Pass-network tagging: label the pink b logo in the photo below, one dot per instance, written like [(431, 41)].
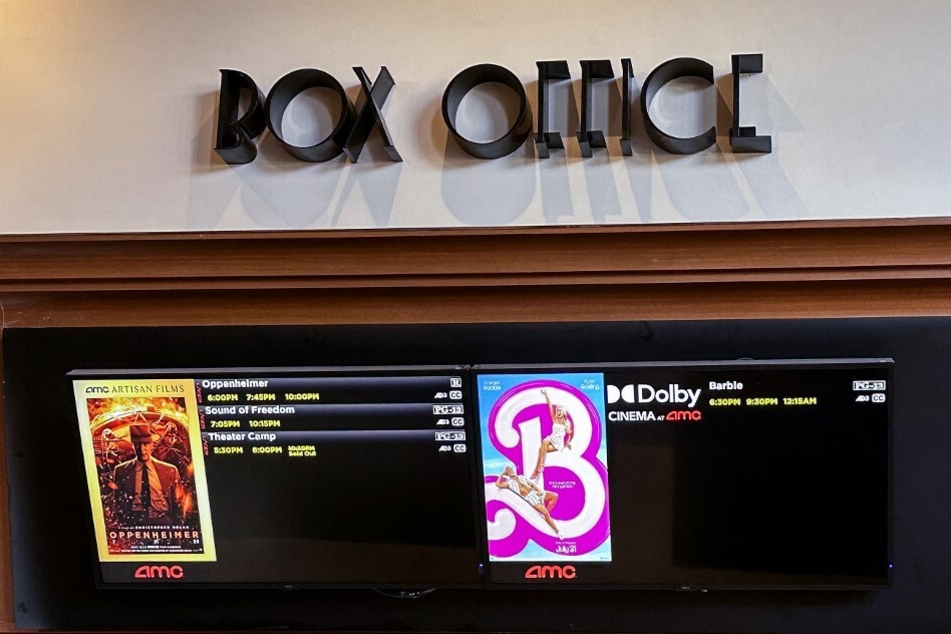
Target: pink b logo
[(572, 486)]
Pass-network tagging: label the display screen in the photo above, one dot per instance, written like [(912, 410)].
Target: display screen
[(290, 477), (686, 476), (666, 475)]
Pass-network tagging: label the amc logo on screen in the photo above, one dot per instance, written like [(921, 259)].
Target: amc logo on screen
[(551, 572), (159, 572), (684, 415)]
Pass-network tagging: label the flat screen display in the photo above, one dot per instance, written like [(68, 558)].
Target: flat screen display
[(686, 476), (278, 476), (653, 475)]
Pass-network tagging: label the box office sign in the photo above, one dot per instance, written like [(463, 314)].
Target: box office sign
[(237, 131)]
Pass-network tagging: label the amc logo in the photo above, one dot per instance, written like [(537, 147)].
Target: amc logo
[(97, 389), (159, 572), (685, 415), (551, 572)]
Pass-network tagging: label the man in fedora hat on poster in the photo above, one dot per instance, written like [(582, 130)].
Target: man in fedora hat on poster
[(148, 491)]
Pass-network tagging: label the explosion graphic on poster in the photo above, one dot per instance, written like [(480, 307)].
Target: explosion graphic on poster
[(145, 470)]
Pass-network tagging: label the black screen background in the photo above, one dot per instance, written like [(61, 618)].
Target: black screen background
[(369, 509), (53, 564), (768, 494)]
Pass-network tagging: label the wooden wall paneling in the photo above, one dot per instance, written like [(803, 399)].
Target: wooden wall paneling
[(691, 301), (473, 257)]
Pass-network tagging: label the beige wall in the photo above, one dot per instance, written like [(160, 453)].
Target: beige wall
[(109, 106)]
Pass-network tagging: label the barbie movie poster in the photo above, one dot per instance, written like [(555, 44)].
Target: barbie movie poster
[(543, 456), (145, 469)]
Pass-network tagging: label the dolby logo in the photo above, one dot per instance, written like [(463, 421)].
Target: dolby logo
[(643, 393)]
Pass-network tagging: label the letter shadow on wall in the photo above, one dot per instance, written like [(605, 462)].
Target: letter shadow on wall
[(640, 165), (598, 173), (764, 107), (280, 191), (378, 178), (483, 192), (701, 186), (212, 185), (563, 117)]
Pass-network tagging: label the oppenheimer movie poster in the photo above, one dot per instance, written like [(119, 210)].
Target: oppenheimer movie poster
[(145, 469)]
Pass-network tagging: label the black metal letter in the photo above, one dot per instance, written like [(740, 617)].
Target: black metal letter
[(744, 139), (546, 140), (591, 69), (468, 79), (668, 71), (370, 113), (627, 101), (281, 95), (236, 136)]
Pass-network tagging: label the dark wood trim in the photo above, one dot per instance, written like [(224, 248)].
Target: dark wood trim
[(868, 298), (795, 269), (787, 253)]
